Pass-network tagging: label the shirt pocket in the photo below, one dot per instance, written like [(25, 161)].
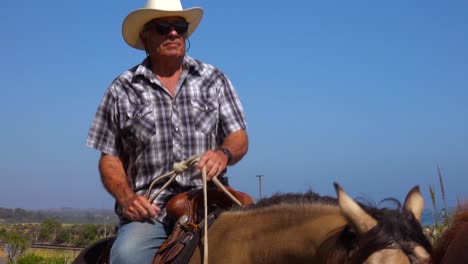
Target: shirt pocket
[(205, 115), (140, 126)]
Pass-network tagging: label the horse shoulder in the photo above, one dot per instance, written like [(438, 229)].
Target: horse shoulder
[(225, 236)]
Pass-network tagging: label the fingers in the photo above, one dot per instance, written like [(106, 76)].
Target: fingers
[(214, 171), (155, 209), (214, 161), (138, 208)]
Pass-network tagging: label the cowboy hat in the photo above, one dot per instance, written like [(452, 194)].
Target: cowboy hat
[(134, 22)]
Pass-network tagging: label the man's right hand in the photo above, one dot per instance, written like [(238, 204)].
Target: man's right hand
[(136, 208)]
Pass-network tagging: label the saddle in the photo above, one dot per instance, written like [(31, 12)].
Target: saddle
[(184, 210)]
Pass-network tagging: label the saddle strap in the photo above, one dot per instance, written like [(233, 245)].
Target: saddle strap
[(181, 243)]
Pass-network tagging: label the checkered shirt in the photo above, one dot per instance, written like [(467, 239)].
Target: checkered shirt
[(149, 130)]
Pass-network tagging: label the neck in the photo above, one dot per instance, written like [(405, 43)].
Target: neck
[(298, 223), (166, 67)]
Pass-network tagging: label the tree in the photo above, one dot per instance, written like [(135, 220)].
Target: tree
[(3, 232), (15, 245), (49, 229), (89, 232), (63, 235)]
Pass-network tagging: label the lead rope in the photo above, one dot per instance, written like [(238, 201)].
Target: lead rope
[(205, 226), (179, 168)]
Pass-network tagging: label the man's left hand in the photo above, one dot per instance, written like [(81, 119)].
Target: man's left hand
[(215, 161)]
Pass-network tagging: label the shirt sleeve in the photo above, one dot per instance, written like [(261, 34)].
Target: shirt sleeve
[(231, 112), (103, 133)]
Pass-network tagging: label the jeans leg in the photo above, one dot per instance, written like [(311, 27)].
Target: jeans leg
[(138, 242)]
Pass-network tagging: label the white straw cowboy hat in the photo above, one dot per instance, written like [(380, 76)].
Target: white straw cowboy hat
[(134, 22)]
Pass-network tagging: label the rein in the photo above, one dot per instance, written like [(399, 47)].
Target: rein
[(179, 168)]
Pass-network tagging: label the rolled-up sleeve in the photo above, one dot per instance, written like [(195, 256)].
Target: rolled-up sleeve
[(231, 111)]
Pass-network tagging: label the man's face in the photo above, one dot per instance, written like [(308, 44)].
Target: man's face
[(165, 37)]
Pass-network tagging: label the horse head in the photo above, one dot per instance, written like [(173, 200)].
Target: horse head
[(386, 235)]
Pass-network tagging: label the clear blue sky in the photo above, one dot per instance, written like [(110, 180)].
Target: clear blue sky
[(371, 94)]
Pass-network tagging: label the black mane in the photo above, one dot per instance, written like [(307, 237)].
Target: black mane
[(292, 198), (395, 225)]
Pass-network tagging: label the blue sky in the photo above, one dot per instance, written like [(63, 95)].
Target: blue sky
[(371, 94)]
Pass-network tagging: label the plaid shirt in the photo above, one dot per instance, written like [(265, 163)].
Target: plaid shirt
[(149, 130)]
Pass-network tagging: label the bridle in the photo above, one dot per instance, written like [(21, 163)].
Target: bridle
[(367, 246)]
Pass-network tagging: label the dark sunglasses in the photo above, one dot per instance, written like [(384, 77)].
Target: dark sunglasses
[(163, 28)]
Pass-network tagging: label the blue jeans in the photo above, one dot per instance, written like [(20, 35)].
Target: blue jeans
[(138, 242)]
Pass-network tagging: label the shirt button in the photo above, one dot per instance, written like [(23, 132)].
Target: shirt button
[(177, 129)]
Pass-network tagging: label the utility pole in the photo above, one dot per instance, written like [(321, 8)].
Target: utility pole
[(260, 185)]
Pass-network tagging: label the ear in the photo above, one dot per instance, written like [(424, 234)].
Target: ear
[(360, 220), (414, 202)]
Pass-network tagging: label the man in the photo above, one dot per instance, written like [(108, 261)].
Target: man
[(162, 111)]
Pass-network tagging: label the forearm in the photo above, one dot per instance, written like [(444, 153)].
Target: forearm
[(237, 143), (113, 178), (134, 207)]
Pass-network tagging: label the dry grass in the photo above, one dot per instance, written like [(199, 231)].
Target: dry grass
[(435, 232), (70, 254), (47, 253)]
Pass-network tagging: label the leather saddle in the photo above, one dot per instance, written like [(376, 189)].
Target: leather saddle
[(185, 210)]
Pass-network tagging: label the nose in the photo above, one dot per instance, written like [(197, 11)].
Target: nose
[(173, 32)]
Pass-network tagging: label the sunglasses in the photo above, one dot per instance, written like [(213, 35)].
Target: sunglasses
[(163, 28)]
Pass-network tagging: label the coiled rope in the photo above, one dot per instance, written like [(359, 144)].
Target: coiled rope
[(179, 168)]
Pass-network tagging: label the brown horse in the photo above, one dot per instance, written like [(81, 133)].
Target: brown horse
[(452, 246), (307, 228)]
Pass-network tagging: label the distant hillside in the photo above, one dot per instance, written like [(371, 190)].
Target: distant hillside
[(64, 215), (102, 216)]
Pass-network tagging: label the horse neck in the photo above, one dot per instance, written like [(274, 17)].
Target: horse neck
[(320, 220), (282, 229)]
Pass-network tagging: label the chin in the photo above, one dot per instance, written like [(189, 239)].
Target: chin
[(174, 53)]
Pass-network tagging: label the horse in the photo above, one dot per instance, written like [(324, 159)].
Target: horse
[(451, 247), (308, 228)]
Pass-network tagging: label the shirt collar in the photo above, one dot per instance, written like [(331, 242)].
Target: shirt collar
[(189, 66), (144, 70)]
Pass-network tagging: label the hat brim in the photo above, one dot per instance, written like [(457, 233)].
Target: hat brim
[(134, 22)]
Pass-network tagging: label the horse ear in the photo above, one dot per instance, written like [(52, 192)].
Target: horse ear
[(360, 220), (414, 202)]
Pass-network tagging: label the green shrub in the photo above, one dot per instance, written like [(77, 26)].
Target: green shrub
[(32, 258), (57, 260)]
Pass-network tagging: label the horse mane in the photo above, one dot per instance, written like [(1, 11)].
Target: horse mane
[(394, 224), (309, 197), (457, 231)]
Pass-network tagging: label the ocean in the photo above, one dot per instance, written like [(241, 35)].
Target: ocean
[(427, 217)]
